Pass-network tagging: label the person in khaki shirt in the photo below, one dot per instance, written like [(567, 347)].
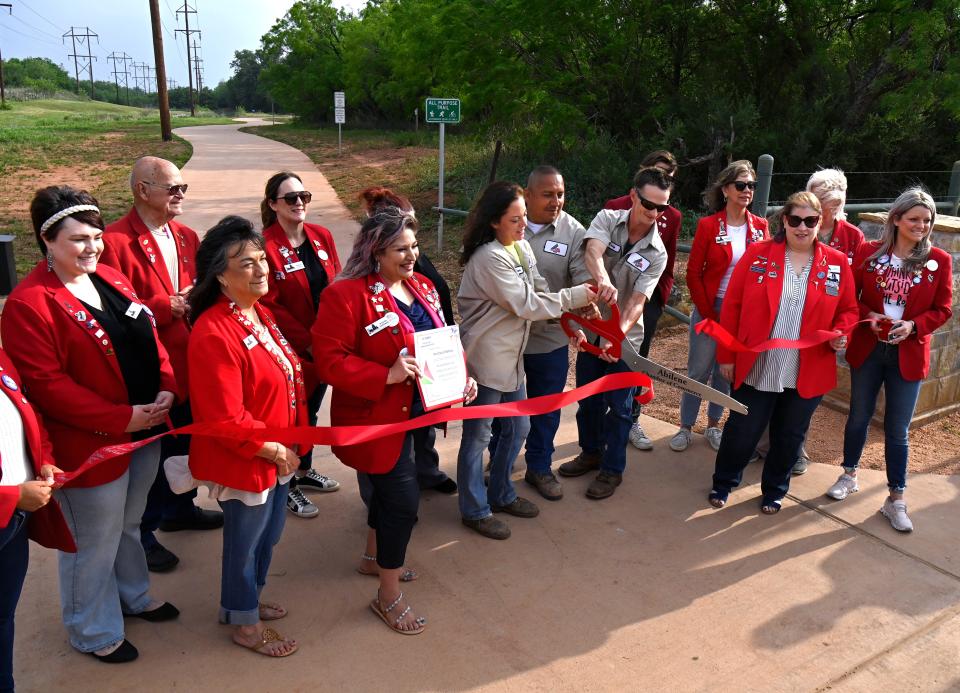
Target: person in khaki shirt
[(625, 256), (557, 241), (501, 292)]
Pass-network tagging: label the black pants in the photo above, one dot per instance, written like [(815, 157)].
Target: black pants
[(313, 404), (14, 554), (651, 316), (392, 500), (788, 415), (162, 503)]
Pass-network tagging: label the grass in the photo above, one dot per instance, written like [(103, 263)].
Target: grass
[(86, 144)]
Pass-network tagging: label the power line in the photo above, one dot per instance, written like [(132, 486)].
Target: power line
[(186, 10), (37, 29), (23, 2), (84, 39), (31, 37)]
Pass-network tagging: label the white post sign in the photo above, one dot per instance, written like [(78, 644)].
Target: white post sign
[(339, 116)]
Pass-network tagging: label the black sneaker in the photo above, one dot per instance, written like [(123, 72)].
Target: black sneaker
[(298, 504), (314, 481)]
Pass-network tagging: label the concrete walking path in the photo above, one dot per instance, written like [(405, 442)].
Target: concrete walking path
[(650, 590)]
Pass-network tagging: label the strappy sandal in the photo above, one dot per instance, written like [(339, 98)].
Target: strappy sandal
[(268, 636), (394, 623), (770, 507), (264, 609), (717, 499), (408, 574)]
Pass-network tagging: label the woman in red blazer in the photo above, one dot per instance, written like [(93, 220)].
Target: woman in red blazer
[(243, 371), (359, 347), (905, 287), (720, 241), (785, 288), (88, 351), (26, 487), (830, 187), (303, 262)]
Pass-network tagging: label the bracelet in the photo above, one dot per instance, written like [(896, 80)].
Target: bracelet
[(276, 455)]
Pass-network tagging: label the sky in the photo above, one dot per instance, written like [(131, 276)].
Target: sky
[(36, 28)]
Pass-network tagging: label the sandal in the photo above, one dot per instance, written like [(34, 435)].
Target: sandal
[(268, 636), (271, 612), (394, 623), (770, 507), (408, 574), (717, 499)]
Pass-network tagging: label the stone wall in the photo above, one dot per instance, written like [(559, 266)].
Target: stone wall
[(940, 392)]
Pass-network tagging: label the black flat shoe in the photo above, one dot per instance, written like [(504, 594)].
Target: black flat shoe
[(447, 486), (125, 653), (160, 559), (164, 612), (200, 519)]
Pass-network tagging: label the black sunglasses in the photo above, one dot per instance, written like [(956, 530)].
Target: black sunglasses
[(291, 197), (171, 189), (647, 204), (795, 221), (742, 185)]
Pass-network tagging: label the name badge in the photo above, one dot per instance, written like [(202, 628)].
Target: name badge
[(293, 267), (555, 248), (638, 261), (134, 310), (519, 271), (249, 341), (722, 240), (613, 247), (388, 320)]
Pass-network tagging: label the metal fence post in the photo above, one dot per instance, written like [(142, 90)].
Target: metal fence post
[(8, 265), (764, 176), (953, 191)]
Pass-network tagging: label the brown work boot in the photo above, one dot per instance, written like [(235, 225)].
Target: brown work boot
[(520, 507), (546, 485), (490, 527), (604, 485), (581, 464)]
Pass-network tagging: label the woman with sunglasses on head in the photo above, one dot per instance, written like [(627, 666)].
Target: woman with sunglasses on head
[(785, 288), (905, 289), (720, 241), (303, 262), (88, 351)]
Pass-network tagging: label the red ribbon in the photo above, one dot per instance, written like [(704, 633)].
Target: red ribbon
[(352, 435), (720, 335)]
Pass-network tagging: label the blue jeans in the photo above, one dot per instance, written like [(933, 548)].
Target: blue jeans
[(249, 534), (14, 554), (604, 420), (546, 375), (107, 576), (788, 416), (882, 367), (702, 366), (474, 495)]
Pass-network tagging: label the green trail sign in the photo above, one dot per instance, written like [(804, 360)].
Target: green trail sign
[(443, 110)]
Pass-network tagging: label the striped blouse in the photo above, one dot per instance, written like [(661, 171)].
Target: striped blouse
[(777, 369)]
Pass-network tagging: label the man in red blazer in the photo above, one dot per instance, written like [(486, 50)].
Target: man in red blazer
[(158, 256)]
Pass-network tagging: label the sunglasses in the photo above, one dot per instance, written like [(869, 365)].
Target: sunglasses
[(171, 189), (795, 221), (647, 204), (291, 197), (742, 185)]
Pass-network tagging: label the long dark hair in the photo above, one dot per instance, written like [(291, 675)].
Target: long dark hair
[(54, 198), (216, 249), (493, 204), (267, 215)]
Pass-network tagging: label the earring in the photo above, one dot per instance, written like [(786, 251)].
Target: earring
[(49, 262)]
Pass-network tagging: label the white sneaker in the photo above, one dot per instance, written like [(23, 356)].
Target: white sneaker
[(639, 439), (896, 512), (713, 436), (681, 440), (299, 505), (843, 487)]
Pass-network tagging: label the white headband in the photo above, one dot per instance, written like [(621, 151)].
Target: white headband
[(64, 213)]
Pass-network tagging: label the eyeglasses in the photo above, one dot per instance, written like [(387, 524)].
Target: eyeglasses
[(171, 189), (795, 221), (742, 185), (647, 204), (291, 197)]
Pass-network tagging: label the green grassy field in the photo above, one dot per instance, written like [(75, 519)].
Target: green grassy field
[(87, 144)]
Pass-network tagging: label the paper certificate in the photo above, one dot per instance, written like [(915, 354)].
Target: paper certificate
[(443, 366)]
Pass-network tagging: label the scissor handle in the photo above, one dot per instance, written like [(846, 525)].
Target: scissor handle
[(609, 329)]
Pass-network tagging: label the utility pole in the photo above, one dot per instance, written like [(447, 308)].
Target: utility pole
[(121, 58), (84, 39), (171, 84), (196, 66), (163, 99), (187, 11), (3, 96)]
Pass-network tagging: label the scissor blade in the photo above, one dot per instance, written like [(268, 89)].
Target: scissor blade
[(674, 379)]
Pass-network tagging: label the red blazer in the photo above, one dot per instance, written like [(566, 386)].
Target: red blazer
[(709, 259), (130, 248), (928, 306), (234, 379), (47, 526), (668, 224), (289, 297), (750, 310), (70, 370), (846, 238), (356, 364)]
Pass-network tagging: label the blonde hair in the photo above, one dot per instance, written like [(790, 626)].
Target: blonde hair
[(830, 185), (909, 198)]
